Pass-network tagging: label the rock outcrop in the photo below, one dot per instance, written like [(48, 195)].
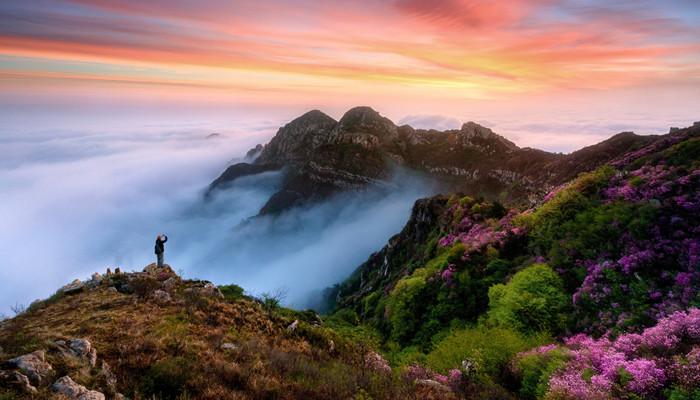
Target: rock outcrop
[(16, 381), (32, 365)]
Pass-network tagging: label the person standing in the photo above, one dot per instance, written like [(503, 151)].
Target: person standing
[(160, 249)]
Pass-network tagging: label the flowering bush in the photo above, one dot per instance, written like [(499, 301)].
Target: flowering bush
[(664, 356), (376, 363)]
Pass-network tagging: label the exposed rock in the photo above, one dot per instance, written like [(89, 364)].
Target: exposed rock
[(81, 347), (91, 395), (432, 383), (168, 283), (35, 303), (227, 346), (293, 326), (295, 142), (32, 365), (109, 376), (16, 381), (68, 387), (73, 287), (210, 290), (77, 348), (112, 289), (161, 296), (252, 153)]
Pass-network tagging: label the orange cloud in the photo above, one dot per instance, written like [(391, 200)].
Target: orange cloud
[(458, 48)]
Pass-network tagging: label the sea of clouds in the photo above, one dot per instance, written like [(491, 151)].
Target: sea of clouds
[(75, 202)]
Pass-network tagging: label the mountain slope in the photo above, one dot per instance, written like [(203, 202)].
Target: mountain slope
[(153, 335), (614, 253)]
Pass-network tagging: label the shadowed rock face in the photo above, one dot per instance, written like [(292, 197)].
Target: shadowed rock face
[(322, 156)]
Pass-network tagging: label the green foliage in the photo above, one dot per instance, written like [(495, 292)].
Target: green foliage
[(534, 371), (343, 317), (489, 348), (456, 253), (168, 379), (533, 300), (231, 292), (174, 329), (436, 263), (405, 308), (676, 393)]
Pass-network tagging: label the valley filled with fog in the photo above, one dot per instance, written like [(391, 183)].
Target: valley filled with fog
[(92, 200)]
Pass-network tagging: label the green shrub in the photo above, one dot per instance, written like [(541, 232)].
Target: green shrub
[(405, 308), (533, 300), (231, 292), (168, 379), (489, 348), (534, 370)]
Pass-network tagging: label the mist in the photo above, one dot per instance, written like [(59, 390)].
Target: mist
[(75, 202)]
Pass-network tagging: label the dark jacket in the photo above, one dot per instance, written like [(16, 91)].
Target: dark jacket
[(159, 244)]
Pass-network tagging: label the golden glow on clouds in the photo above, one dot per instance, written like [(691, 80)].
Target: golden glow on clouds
[(440, 49)]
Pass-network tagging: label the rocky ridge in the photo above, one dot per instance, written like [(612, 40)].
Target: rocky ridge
[(321, 156)]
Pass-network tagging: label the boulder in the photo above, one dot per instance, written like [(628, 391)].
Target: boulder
[(32, 365), (91, 395), (77, 348), (161, 296), (227, 346), (68, 387), (74, 287), (16, 381), (94, 281), (168, 283), (210, 290), (35, 303)]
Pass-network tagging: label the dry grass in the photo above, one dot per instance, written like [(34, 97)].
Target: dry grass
[(172, 350)]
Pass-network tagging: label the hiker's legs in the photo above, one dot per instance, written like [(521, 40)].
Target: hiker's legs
[(160, 260)]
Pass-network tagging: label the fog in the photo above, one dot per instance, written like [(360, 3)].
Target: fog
[(78, 202)]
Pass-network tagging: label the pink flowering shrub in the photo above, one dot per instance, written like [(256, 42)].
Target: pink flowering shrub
[(642, 365), (376, 362), (415, 372)]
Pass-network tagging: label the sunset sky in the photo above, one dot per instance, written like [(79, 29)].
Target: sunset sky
[(527, 69), (105, 107)]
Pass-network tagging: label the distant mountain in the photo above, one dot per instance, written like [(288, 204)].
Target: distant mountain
[(321, 156)]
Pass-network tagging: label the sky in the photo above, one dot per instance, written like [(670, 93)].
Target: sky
[(552, 74), (106, 106)]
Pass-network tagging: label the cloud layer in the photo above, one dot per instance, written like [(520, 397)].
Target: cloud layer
[(78, 203)]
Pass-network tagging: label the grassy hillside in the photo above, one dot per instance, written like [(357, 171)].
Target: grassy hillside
[(199, 345)]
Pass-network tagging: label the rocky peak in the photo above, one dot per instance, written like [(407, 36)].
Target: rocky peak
[(472, 131), (365, 120), (297, 140)]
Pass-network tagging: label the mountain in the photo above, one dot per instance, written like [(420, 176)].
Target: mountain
[(591, 292), (321, 156), (608, 264)]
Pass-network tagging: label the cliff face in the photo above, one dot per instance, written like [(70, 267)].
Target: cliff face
[(322, 156)]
